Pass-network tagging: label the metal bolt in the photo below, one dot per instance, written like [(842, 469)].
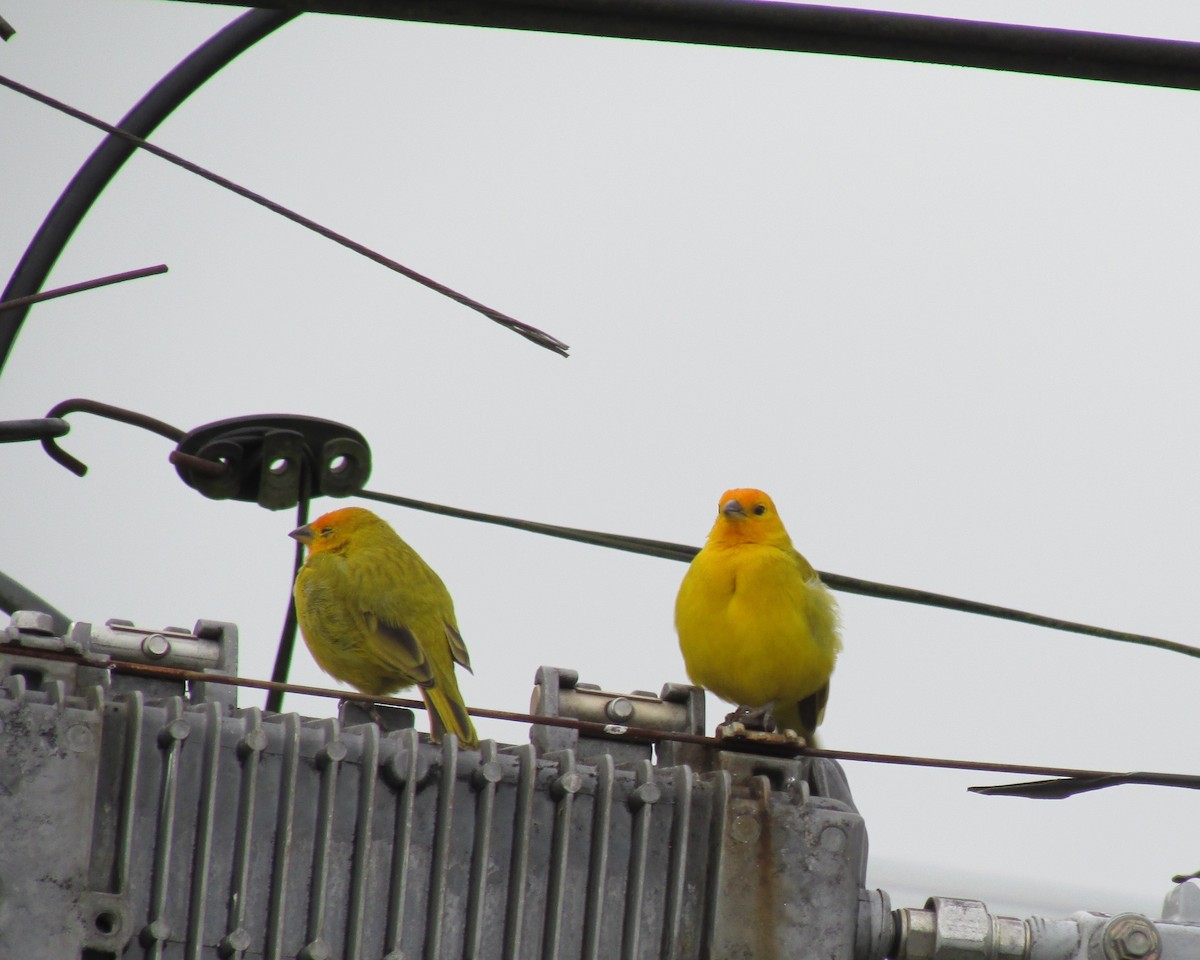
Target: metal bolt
[(156, 931), (255, 741), (744, 828), (566, 785), (317, 950), (33, 621), (332, 753), (235, 942), (79, 738), (644, 795), (619, 709), (156, 646), (178, 729), (486, 774), (1130, 936)]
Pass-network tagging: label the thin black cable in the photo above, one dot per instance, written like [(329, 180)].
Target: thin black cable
[(835, 581), (652, 548), (533, 334), (80, 287), (815, 28), (287, 638)]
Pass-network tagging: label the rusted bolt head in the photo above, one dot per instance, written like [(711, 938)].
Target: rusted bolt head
[(1130, 936)]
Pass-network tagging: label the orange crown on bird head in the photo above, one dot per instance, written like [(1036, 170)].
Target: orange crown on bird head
[(747, 515), (331, 530)]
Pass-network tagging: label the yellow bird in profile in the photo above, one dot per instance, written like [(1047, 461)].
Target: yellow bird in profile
[(756, 625), (375, 615)]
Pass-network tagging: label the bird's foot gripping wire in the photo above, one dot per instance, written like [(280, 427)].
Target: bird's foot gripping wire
[(756, 724)]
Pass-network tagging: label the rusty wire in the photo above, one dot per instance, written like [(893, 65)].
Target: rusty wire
[(621, 732), (83, 285), (533, 334), (109, 412)]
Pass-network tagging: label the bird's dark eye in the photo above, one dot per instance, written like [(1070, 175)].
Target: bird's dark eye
[(325, 531), (759, 510)]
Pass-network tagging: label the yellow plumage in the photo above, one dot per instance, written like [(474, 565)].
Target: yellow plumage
[(756, 625), (375, 615)]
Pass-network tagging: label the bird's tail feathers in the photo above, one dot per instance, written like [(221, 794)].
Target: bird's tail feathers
[(448, 714), (804, 716)]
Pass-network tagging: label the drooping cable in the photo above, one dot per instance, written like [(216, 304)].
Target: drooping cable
[(835, 581)]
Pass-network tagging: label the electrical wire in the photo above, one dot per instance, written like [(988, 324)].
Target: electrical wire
[(822, 28), (80, 287), (835, 581), (287, 636), (615, 731), (531, 333), (643, 545)]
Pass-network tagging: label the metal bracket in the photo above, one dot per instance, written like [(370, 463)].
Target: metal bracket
[(274, 460)]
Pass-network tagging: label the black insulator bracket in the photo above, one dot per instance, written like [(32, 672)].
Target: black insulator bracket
[(274, 460)]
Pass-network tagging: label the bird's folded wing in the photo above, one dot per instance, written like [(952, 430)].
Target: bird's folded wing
[(402, 647)]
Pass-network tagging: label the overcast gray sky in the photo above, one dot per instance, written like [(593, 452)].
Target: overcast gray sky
[(946, 317)]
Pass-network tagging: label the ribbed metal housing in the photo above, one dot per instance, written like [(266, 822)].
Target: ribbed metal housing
[(196, 830)]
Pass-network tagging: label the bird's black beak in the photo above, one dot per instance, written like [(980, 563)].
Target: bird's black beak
[(731, 508), (304, 534)]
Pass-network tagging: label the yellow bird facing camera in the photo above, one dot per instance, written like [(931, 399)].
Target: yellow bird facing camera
[(756, 625)]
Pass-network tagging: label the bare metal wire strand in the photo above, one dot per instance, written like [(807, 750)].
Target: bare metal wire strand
[(16, 302), (533, 334), (620, 732)]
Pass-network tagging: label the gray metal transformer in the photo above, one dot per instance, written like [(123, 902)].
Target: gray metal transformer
[(153, 818)]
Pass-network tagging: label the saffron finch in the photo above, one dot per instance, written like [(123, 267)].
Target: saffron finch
[(375, 615), (756, 625)]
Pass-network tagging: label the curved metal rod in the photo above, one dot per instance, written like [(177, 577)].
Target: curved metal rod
[(109, 412), (187, 77)]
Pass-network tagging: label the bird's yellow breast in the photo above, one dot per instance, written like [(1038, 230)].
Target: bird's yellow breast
[(755, 626)]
